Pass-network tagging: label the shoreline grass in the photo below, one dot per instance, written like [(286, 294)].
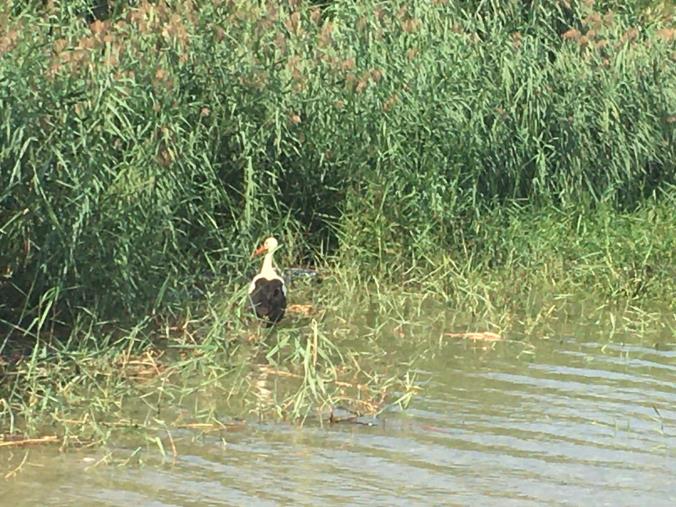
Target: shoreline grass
[(210, 363)]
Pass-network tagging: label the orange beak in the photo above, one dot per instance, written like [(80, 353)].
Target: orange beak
[(259, 251)]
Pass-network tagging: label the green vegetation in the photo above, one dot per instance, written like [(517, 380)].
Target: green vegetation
[(485, 162)]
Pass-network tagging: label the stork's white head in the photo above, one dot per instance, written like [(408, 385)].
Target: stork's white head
[(269, 245)]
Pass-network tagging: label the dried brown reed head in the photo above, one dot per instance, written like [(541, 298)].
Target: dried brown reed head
[(572, 34), (294, 118)]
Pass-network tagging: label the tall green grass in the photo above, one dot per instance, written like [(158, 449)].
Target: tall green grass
[(139, 151)]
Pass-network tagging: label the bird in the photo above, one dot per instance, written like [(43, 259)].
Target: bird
[(267, 291)]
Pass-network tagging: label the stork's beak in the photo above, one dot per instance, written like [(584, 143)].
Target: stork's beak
[(259, 251)]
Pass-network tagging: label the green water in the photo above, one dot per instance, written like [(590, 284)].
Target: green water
[(568, 420)]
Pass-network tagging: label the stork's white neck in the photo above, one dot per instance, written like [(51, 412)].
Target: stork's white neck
[(268, 271)]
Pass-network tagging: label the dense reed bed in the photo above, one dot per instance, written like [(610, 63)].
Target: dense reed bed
[(497, 158)]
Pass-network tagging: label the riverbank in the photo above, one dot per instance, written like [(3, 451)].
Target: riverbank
[(336, 347)]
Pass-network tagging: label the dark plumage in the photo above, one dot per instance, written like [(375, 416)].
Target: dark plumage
[(268, 300)]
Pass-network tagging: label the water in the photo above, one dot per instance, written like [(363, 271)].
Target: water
[(554, 422)]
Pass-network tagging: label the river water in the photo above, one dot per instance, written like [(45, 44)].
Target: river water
[(567, 420)]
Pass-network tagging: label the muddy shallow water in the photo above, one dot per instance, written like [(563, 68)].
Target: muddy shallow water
[(563, 421)]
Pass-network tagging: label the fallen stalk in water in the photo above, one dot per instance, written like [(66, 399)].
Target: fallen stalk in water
[(10, 441)]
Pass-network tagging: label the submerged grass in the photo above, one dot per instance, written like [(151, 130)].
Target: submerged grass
[(446, 166), (197, 373)]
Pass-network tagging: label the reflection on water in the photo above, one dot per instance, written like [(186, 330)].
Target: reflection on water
[(569, 422)]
